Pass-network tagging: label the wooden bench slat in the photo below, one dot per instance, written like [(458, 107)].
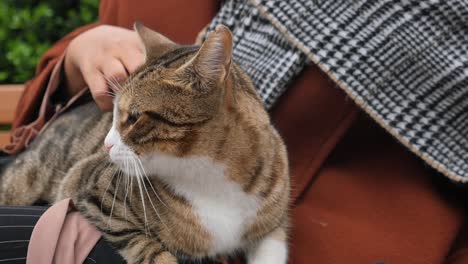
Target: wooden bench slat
[(9, 97)]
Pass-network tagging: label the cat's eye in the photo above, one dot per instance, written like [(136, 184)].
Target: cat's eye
[(132, 118)]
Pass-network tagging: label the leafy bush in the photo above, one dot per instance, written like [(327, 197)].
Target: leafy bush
[(29, 27)]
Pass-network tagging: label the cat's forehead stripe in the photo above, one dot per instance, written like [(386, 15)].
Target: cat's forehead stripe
[(176, 55), (166, 60)]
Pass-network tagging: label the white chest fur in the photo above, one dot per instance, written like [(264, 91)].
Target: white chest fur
[(222, 206)]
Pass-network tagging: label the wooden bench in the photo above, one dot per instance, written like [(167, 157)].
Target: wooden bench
[(9, 97)]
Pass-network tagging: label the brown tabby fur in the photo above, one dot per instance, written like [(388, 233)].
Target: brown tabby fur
[(184, 101)]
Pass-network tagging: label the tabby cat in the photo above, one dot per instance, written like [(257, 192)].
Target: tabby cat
[(193, 167)]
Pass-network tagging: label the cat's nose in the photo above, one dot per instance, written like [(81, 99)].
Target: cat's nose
[(108, 147)]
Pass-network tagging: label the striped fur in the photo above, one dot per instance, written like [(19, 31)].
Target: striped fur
[(195, 169)]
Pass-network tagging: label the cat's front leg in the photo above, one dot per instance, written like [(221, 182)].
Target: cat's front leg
[(273, 249), (123, 230), (140, 248)]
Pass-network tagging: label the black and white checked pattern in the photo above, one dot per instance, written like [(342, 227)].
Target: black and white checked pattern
[(255, 37), (405, 62)]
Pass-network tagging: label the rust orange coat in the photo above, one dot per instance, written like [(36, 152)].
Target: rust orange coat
[(359, 196)]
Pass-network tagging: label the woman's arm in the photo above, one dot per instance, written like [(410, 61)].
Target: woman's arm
[(29, 104), (98, 55), (86, 58)]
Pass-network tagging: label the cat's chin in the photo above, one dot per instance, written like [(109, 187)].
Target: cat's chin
[(127, 161)]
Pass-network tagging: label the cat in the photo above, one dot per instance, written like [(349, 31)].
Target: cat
[(192, 167)]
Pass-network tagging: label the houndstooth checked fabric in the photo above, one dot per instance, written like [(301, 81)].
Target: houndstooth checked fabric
[(405, 62), (255, 37)]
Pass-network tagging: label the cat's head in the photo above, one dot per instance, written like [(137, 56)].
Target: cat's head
[(168, 106)]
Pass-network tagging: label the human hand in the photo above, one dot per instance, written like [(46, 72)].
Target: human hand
[(97, 56)]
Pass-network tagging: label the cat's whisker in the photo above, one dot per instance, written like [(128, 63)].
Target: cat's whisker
[(109, 94), (109, 222), (127, 171), (112, 83), (140, 179), (142, 200), (112, 91), (127, 183), (116, 87), (141, 174), (112, 88), (151, 185), (108, 185), (131, 188), (118, 83), (108, 79)]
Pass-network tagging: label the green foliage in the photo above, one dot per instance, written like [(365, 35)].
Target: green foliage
[(29, 27)]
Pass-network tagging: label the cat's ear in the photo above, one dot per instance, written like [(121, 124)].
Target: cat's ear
[(213, 60), (155, 44)]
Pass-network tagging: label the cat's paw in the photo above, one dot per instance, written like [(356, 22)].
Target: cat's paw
[(165, 258), (268, 259), (270, 251)]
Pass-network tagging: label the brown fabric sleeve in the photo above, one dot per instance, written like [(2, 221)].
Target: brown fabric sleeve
[(29, 103), (459, 252), (312, 99), (179, 20), (372, 201), (34, 108)]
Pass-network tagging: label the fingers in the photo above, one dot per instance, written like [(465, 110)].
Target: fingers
[(114, 73), (105, 81), (99, 89), (102, 58), (131, 59), (105, 73)]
